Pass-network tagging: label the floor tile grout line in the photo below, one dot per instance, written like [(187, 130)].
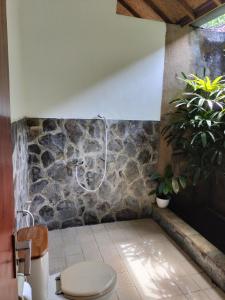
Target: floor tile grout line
[(97, 244), (91, 233), (131, 236), (116, 293), (135, 285), (81, 247)]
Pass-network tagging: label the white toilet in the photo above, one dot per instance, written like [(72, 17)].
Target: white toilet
[(83, 281), (87, 280)]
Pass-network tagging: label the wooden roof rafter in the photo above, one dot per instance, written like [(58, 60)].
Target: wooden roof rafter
[(129, 8), (187, 8), (217, 2), (158, 11), (180, 12)]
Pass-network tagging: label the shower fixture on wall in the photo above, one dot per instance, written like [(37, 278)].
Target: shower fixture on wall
[(100, 117), (26, 212)]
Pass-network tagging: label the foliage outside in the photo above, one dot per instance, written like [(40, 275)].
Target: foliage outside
[(219, 21), (196, 127)]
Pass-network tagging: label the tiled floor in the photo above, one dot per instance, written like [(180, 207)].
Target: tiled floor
[(149, 265)]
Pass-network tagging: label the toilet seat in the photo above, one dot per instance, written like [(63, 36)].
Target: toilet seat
[(87, 280)]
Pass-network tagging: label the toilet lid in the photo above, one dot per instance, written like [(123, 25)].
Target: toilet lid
[(87, 279)]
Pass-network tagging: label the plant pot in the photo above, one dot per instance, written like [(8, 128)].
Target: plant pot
[(162, 203)]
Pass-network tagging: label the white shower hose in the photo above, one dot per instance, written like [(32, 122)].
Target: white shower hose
[(105, 164)]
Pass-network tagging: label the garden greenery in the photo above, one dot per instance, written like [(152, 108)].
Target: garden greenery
[(217, 22), (196, 127)]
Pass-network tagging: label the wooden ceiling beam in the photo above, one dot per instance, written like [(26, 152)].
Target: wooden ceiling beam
[(200, 11), (217, 2), (186, 12), (205, 8), (129, 8), (187, 9), (184, 21), (158, 11), (121, 10)]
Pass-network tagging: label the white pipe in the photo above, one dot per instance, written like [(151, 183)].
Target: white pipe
[(27, 212), (105, 165)]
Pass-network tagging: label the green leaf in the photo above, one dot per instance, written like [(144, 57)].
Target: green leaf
[(209, 123), (219, 104), (175, 185), (200, 123), (180, 104), (210, 104), (221, 115), (217, 80), (155, 176), (161, 188), (183, 181), (212, 136), (214, 156), (183, 74), (195, 137), (166, 189), (204, 139), (201, 101)]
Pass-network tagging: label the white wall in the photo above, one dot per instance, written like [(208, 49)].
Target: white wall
[(78, 59), (15, 61)]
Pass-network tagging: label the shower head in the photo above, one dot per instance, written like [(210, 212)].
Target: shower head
[(100, 116)]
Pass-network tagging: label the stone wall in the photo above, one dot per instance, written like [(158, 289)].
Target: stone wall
[(20, 168), (178, 58), (208, 49), (55, 145)]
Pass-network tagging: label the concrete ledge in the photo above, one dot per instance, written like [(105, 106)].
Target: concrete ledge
[(206, 255)]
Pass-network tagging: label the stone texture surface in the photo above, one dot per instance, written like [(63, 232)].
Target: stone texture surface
[(20, 168), (211, 260), (207, 47), (54, 148)]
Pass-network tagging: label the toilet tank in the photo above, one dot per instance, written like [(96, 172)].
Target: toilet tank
[(39, 259)]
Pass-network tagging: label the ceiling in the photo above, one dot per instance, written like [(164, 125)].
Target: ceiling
[(180, 12)]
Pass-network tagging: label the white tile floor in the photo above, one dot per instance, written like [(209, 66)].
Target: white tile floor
[(149, 265)]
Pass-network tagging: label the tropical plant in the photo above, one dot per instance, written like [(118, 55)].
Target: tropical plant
[(167, 184), (196, 126), (217, 22)]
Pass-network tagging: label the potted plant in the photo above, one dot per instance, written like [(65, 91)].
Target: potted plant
[(166, 185), (195, 128)]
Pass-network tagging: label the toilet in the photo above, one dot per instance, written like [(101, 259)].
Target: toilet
[(38, 278), (86, 281), (82, 281)]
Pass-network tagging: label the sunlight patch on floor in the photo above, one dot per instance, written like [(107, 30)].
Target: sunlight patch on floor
[(149, 265)]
